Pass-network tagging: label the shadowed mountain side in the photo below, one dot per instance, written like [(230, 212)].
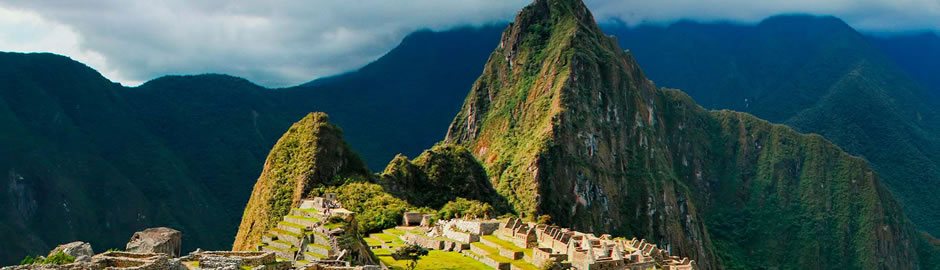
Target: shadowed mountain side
[(815, 74)]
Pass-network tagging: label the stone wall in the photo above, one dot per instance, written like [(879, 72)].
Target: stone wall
[(247, 257), (460, 236), (542, 255), (423, 241), (488, 261), (475, 226)]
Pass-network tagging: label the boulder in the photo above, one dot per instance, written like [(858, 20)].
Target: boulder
[(156, 240), (82, 258), (74, 249)]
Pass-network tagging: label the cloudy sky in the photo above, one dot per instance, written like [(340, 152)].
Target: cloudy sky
[(287, 42)]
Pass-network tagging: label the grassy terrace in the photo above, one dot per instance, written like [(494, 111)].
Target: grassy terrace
[(394, 231), (436, 260), (319, 246), (321, 256), (494, 254), (274, 248), (279, 231), (312, 211), (504, 244), (448, 239), (285, 223), (372, 242), (305, 218), (386, 237), (283, 242)]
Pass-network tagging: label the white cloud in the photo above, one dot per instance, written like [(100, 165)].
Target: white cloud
[(25, 31), (287, 42), (865, 15), (274, 43)]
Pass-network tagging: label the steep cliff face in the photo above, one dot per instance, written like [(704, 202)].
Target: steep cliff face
[(311, 154), (566, 124)]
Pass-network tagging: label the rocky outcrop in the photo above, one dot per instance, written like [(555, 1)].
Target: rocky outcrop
[(74, 249), (161, 240), (566, 124), (312, 153)]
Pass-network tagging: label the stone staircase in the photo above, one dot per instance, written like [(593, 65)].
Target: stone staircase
[(299, 238)]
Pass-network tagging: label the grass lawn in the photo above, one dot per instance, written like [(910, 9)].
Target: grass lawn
[(372, 242), (503, 243), (305, 218), (386, 237), (435, 260), (394, 231)]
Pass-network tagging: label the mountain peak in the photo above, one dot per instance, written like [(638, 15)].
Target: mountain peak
[(311, 153)]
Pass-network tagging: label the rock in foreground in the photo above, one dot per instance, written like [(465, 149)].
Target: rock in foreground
[(156, 240)]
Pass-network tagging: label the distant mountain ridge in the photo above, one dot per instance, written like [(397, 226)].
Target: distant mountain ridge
[(183, 151), (815, 74)]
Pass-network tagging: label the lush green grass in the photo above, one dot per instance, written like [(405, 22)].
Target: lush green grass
[(386, 237), (503, 243), (435, 260), (372, 241), (318, 255), (394, 231), (313, 219), (285, 223), (280, 231)]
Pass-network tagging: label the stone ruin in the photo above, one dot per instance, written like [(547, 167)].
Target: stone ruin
[(156, 240), (411, 219), (502, 245), (304, 237)]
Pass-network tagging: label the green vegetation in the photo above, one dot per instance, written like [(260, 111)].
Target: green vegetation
[(435, 260), (57, 258), (71, 134), (503, 243), (826, 78), (567, 125), (295, 167), (412, 253), (375, 209), (464, 208), (439, 175)]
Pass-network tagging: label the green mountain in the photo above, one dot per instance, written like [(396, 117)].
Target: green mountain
[(918, 54), (80, 165), (566, 124), (311, 154), (814, 74), (183, 151)]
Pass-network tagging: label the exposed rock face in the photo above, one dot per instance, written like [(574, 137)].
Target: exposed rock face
[(311, 153), (566, 124), (74, 249), (156, 240)]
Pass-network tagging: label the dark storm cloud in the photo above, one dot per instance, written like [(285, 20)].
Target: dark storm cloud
[(280, 43)]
